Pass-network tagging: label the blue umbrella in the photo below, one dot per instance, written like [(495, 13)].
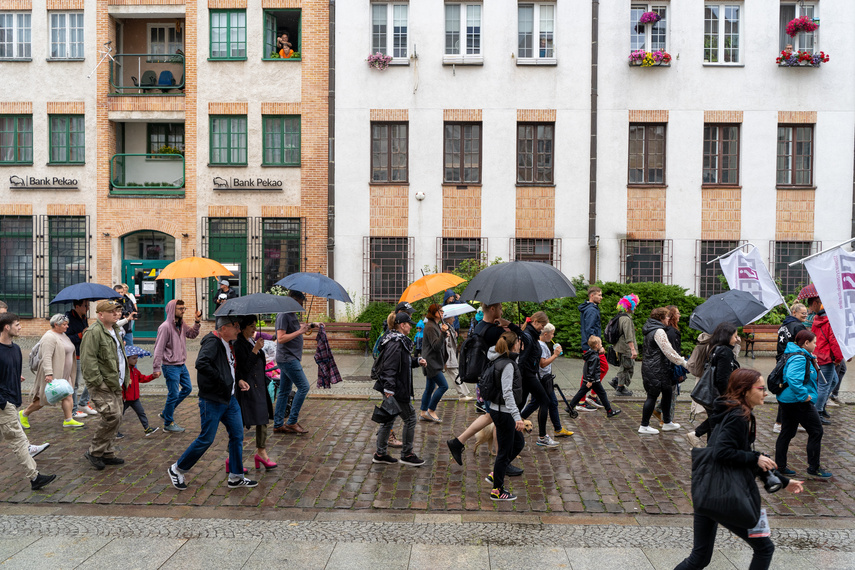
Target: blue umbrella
[(315, 284), (85, 292)]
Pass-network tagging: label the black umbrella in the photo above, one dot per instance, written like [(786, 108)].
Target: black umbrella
[(734, 306), (258, 304), (521, 281)]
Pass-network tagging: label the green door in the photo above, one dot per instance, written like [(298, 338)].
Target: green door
[(152, 294), (227, 243)]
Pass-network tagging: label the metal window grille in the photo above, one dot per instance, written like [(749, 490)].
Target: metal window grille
[(646, 260), (544, 250), (16, 263), (282, 244), (782, 253), (452, 251), (225, 239), (63, 258), (388, 267), (707, 277)]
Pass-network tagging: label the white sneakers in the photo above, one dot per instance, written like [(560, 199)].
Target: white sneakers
[(694, 440), (670, 427), (647, 430), (36, 449), (89, 410), (78, 415)]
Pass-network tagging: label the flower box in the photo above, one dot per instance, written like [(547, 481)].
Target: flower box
[(379, 61), (641, 58), (789, 58)]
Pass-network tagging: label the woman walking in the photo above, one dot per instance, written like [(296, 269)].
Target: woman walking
[(723, 359), (657, 371), (734, 445), (529, 364), (451, 363), (434, 352), (252, 394), (672, 329)]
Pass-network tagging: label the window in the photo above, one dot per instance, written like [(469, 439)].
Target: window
[(227, 243), (646, 153), (795, 155), (646, 260), (164, 39), (165, 134), (280, 240), (67, 135), (792, 279), (16, 264), (228, 140), (721, 154), (543, 250), (708, 274), (648, 37), (462, 147), (536, 33), (67, 252), (463, 33), (278, 23), (15, 35), (804, 41), (281, 135), (66, 35), (535, 153), (453, 251), (388, 267), (389, 152), (228, 34), (16, 139), (721, 33), (394, 16)]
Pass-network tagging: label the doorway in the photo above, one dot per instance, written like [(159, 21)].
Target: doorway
[(144, 255)]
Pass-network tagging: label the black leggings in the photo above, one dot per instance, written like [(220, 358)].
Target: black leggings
[(510, 442), (705, 529), (535, 388), (650, 403), (596, 387), (136, 406)]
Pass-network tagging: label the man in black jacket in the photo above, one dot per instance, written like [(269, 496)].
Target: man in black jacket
[(215, 367)]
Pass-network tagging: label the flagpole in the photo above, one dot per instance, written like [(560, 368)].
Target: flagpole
[(802, 260), (731, 251), (780, 296)]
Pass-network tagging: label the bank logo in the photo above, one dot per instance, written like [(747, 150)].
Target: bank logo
[(747, 273), (848, 281)]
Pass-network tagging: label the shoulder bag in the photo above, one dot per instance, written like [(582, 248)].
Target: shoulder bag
[(705, 391)]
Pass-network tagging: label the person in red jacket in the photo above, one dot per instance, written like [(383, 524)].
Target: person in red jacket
[(131, 393), (828, 355), (593, 371)]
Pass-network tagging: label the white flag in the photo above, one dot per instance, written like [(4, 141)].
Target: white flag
[(833, 274), (747, 272)]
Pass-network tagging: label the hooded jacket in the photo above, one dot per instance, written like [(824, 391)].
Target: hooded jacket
[(794, 374), (170, 348), (213, 371), (509, 399), (787, 333), (595, 367), (396, 366), (827, 350), (589, 314), (656, 369), (131, 392)]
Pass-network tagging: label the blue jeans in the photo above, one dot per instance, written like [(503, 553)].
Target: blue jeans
[(175, 376), (431, 396), (211, 414), (83, 399), (825, 389), (290, 372)]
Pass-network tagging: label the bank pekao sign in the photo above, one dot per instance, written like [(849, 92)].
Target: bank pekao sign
[(221, 183), (42, 183)]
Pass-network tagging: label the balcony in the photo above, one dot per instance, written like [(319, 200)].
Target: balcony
[(147, 174), (147, 74)]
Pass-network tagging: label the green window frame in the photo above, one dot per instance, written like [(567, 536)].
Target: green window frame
[(228, 140), (67, 252), (281, 140), (16, 139), (164, 134), (282, 20), (228, 243), (67, 139), (281, 252), (16, 264), (228, 35)]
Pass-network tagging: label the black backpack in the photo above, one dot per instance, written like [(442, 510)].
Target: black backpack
[(612, 333), (490, 385), (473, 358), (776, 381)]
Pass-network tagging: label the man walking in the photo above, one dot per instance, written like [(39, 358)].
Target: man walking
[(215, 377), (170, 356), (625, 347), (78, 322), (105, 370), (11, 365), (289, 351)]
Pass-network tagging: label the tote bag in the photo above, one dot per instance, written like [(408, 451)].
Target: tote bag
[(705, 391)]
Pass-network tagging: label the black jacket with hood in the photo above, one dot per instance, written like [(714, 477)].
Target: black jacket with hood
[(214, 375), (591, 367), (787, 333), (656, 369), (725, 363), (529, 359), (396, 366)]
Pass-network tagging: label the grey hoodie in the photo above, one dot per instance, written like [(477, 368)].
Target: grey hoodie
[(510, 406)]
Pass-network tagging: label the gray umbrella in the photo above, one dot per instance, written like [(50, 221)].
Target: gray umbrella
[(521, 281), (734, 306), (259, 304)]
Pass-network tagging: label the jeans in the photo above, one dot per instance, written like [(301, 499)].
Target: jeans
[(137, 407), (435, 387), (841, 372), (826, 388), (290, 372), (540, 401), (806, 414), (549, 387), (596, 387), (511, 443), (705, 530), (650, 403), (408, 416), (211, 414), (175, 376), (83, 400)]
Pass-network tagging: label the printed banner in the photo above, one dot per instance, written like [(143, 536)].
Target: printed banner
[(833, 274), (747, 272)]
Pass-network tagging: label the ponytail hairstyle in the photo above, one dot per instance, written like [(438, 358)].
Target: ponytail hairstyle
[(538, 317), (506, 343), (740, 383), (390, 321)]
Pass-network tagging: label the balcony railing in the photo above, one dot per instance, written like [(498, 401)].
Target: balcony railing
[(147, 174), (147, 74)]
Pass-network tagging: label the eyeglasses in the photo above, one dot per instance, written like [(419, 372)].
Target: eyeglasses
[(761, 388)]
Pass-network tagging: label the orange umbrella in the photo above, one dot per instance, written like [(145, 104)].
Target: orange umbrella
[(193, 267), (428, 285)]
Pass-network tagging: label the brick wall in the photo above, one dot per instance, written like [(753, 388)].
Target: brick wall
[(389, 115), (461, 115), (645, 213), (16, 5), (722, 116), (794, 214), (280, 212), (461, 211), (535, 212), (276, 108), (536, 115), (65, 4), (721, 215), (16, 209), (160, 103), (389, 211), (66, 209), (805, 117), (227, 211), (66, 108), (16, 108), (648, 116)]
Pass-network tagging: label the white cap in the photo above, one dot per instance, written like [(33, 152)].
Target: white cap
[(224, 282)]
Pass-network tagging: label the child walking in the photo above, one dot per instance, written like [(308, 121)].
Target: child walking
[(594, 370), (451, 364), (131, 393)]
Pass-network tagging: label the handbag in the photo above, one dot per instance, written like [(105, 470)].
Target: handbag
[(57, 390), (386, 411), (705, 392), (680, 373), (612, 357), (722, 492)]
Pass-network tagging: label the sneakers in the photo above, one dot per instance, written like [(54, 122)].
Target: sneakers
[(832, 403), (837, 400), (489, 478), (150, 430), (173, 427), (113, 460), (623, 391), (595, 401), (176, 478), (587, 407), (384, 459), (456, 448), (412, 460), (514, 471), (612, 413), (242, 483), (120, 435), (40, 481), (502, 495), (776, 428), (25, 423), (819, 473), (89, 410), (647, 430), (546, 441), (394, 441), (694, 440), (670, 427), (36, 449), (563, 432), (72, 424), (787, 472), (97, 462), (613, 383), (78, 415)]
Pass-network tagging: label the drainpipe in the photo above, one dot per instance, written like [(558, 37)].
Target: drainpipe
[(853, 204), (331, 164), (592, 185)]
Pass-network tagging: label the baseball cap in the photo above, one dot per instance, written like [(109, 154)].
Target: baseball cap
[(403, 317), (404, 306), (224, 282), (107, 305)]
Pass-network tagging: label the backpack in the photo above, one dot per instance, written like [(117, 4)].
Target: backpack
[(473, 358), (612, 333), (698, 359), (35, 357), (776, 382), (490, 385)]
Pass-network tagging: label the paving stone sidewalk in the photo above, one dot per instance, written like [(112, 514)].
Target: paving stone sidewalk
[(605, 468)]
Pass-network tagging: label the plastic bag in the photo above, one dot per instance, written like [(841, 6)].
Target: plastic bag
[(57, 390)]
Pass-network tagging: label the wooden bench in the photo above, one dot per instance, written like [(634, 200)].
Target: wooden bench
[(346, 336), (760, 337)]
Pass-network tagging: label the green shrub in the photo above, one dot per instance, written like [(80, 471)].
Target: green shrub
[(375, 313)]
